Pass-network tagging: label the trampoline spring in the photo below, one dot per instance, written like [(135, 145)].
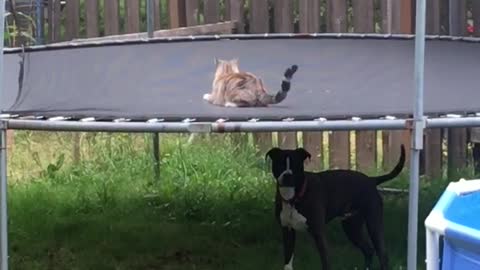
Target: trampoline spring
[(58, 118), (155, 120), (356, 118), (188, 120), (87, 119), (121, 120)]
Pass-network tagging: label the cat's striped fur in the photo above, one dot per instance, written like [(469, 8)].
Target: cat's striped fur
[(234, 88)]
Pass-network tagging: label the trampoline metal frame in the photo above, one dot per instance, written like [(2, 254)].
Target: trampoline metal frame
[(416, 125)]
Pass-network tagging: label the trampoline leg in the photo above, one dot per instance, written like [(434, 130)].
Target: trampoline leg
[(156, 155), (417, 135), (3, 202)]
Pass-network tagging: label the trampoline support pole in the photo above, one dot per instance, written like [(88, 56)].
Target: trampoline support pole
[(3, 161), (156, 155), (417, 135), (3, 201)]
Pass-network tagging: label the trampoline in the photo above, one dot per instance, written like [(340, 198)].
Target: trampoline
[(344, 82)]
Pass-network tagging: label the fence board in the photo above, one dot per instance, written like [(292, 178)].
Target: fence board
[(235, 13), (363, 16), (457, 151), (433, 17), (283, 13), (476, 17), (177, 15), (339, 141), (283, 16), (91, 16), (72, 19), (365, 141), (192, 11), (313, 143), (391, 147), (457, 137), (309, 16), (337, 16), (433, 153), (366, 150), (458, 17), (444, 17), (339, 150), (406, 20), (111, 17), (211, 11), (54, 20), (132, 11), (287, 140), (396, 21), (157, 13), (259, 24), (386, 11), (259, 17)]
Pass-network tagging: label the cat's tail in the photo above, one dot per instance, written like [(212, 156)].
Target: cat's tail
[(282, 94)]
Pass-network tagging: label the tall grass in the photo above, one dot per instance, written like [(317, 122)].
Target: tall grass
[(212, 207)]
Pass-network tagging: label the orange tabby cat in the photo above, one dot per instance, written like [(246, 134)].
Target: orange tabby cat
[(234, 88)]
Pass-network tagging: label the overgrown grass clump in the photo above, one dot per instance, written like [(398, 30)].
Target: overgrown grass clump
[(212, 207)]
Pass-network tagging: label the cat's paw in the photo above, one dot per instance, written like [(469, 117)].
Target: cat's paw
[(287, 267), (230, 104), (207, 97)]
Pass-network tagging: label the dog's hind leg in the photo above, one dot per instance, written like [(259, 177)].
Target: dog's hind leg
[(288, 247), (375, 229), (353, 228)]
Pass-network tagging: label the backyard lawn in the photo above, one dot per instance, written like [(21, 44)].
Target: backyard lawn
[(212, 208)]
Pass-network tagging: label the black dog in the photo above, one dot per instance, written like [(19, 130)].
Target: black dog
[(306, 200)]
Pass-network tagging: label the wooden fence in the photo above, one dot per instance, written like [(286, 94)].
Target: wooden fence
[(366, 150)]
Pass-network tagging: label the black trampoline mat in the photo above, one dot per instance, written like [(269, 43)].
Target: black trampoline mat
[(337, 78)]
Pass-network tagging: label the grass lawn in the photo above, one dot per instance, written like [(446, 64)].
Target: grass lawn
[(211, 209)]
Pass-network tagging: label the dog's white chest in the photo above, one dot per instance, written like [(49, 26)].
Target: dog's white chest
[(290, 217)]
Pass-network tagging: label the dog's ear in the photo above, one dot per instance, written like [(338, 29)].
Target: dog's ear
[(304, 153), (272, 153)]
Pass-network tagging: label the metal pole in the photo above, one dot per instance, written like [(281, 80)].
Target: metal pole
[(417, 138), (3, 161), (39, 12), (150, 18), (3, 201), (156, 155)]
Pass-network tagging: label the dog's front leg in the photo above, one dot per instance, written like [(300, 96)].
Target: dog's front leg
[(288, 247)]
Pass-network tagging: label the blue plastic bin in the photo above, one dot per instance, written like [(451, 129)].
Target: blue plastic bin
[(456, 220)]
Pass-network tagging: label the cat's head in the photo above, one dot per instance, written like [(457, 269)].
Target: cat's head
[(226, 66)]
